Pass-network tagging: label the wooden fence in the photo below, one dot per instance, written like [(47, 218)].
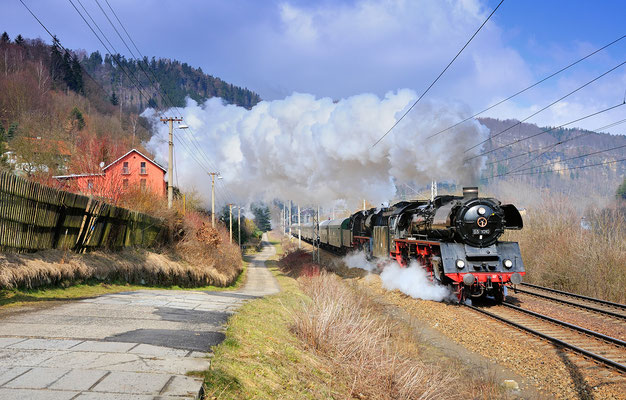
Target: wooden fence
[(36, 217)]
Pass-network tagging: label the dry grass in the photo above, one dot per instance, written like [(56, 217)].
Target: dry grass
[(341, 324), (558, 253), (202, 257)]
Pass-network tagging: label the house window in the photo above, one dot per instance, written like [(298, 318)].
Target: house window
[(142, 184), (89, 184), (125, 183), (125, 169), (143, 168)]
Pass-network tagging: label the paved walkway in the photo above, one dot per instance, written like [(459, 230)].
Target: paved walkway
[(132, 346)]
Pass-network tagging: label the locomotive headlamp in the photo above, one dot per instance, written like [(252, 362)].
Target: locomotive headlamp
[(460, 264), (508, 263), (482, 211)]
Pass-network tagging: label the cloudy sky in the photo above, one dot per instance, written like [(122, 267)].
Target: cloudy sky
[(338, 49)]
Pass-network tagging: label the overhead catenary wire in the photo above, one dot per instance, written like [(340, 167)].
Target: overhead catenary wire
[(528, 153), (440, 74), (522, 171), (565, 141), (593, 153), (529, 87), (546, 107), (545, 131), (565, 169)]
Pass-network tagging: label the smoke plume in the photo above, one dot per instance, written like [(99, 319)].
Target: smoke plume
[(411, 280), (315, 151)]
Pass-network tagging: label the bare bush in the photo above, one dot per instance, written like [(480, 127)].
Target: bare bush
[(561, 252), (339, 324)]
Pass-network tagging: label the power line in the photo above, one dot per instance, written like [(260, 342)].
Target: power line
[(521, 172), (135, 82), (544, 131), (440, 75), (527, 153), (530, 87), (56, 40), (566, 169), (546, 107), (192, 139), (564, 141)]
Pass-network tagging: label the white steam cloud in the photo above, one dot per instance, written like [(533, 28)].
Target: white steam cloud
[(315, 151), (411, 280)]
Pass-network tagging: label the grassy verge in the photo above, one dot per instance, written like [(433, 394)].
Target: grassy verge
[(321, 337), (262, 359), (92, 288)]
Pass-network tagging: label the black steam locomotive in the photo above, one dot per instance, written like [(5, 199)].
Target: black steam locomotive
[(455, 238)]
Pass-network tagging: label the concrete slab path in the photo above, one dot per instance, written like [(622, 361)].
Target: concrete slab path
[(133, 345)]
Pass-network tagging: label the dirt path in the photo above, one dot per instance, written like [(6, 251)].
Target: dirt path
[(132, 345)]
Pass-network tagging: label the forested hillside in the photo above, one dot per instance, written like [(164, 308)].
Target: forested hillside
[(64, 112), (562, 150), (174, 80)]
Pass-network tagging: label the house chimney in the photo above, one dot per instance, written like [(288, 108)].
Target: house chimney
[(470, 193)]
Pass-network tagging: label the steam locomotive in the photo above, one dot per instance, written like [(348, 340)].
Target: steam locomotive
[(455, 238)]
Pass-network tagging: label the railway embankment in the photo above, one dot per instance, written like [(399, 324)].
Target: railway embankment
[(544, 366), (322, 337)]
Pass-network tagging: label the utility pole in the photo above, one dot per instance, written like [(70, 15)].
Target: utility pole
[(290, 220), (299, 228), (170, 165), (282, 219), (213, 196), (239, 224), (230, 208), (363, 204)]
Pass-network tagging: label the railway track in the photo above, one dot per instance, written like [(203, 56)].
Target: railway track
[(595, 346), (603, 307)]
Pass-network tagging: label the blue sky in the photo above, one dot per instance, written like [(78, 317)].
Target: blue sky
[(343, 48)]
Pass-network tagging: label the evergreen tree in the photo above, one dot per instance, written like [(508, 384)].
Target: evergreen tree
[(77, 76), (56, 60), (19, 40), (12, 131), (5, 38), (113, 99), (621, 190), (77, 116), (262, 217)]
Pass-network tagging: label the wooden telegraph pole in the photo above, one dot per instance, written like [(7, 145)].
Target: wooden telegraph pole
[(230, 207), (213, 174), (170, 165)]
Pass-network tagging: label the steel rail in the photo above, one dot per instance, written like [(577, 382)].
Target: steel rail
[(571, 303), (599, 358), (595, 334), (578, 296)]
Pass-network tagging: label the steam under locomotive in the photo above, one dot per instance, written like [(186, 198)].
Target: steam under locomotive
[(454, 237)]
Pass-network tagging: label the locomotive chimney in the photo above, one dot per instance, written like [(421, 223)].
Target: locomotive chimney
[(470, 192)]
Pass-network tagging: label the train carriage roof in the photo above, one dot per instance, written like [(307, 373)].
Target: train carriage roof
[(341, 223)]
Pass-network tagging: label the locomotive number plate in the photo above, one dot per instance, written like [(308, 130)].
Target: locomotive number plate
[(480, 231)]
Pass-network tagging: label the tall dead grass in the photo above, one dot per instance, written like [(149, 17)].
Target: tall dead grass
[(340, 324), (559, 252), (202, 256)]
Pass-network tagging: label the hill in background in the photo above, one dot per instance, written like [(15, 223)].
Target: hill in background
[(554, 150)]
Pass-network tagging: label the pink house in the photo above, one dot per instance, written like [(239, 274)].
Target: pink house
[(133, 170)]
